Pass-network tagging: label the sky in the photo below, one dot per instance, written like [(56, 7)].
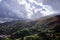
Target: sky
[(28, 9)]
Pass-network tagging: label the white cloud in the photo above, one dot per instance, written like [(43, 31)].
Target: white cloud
[(0, 0), (27, 7), (30, 8), (33, 10)]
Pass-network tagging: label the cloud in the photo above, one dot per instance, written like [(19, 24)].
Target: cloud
[(27, 9), (10, 8), (55, 4), (34, 6), (0, 0)]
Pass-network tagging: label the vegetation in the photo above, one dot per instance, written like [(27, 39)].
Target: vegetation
[(30, 31), (16, 33)]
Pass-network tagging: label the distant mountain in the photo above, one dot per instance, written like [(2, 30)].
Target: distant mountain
[(19, 23), (45, 22), (50, 23)]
